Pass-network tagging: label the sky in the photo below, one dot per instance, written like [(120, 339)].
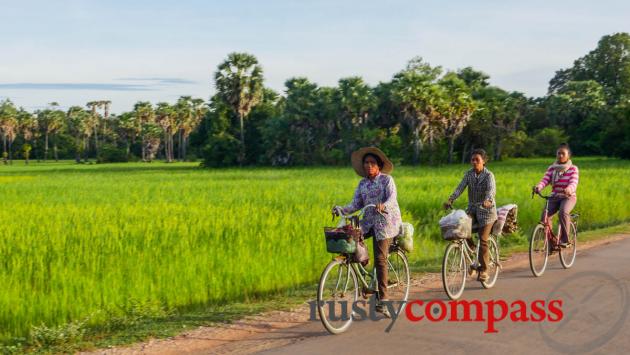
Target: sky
[(75, 51)]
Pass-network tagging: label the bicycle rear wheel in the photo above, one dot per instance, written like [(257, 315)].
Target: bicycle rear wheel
[(538, 251), (567, 255), (398, 277), (493, 267), (336, 293), (454, 270)]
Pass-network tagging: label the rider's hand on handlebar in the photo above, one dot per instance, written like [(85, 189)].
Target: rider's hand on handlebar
[(380, 208)]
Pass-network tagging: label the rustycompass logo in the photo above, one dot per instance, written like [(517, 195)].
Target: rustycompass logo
[(491, 312)]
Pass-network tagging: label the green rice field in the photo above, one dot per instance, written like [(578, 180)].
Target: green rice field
[(81, 241)]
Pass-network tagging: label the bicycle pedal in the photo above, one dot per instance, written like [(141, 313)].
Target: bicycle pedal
[(367, 291)]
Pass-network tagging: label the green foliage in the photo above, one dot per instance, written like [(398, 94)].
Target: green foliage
[(546, 141), (222, 150), (112, 154), (608, 65)]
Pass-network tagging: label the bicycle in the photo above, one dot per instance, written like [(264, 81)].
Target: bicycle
[(338, 288), (461, 261), (544, 242)]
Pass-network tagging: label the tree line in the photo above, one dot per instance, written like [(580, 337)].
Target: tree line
[(423, 115), (92, 132)]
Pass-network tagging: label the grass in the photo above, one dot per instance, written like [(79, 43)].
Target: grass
[(109, 248)]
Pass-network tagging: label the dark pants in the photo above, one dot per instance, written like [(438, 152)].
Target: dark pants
[(564, 205), (381, 251)]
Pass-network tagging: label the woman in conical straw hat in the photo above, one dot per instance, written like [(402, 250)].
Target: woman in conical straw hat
[(383, 222)]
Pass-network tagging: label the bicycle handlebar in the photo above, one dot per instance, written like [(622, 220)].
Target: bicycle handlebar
[(534, 192), (360, 212)]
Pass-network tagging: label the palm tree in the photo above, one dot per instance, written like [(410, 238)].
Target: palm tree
[(413, 89), (8, 127), (93, 106), (190, 112), (129, 129), (28, 127), (239, 82), (165, 117), (458, 109), (105, 105), (80, 124), (145, 120)]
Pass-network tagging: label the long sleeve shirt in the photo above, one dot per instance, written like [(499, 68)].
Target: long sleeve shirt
[(567, 180), (480, 187), (380, 190)]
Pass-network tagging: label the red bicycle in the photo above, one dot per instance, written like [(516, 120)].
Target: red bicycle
[(544, 242)]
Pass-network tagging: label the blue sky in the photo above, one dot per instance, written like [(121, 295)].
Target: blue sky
[(74, 51)]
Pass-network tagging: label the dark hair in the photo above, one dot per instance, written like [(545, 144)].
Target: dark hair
[(378, 159), (481, 152), (565, 146)]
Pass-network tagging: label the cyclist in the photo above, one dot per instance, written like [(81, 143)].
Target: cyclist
[(481, 203), (383, 222), (563, 177)]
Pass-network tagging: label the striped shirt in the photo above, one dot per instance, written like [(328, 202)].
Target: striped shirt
[(569, 179)]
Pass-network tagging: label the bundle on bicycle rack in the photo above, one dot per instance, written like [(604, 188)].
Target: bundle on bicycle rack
[(506, 220), (456, 225)]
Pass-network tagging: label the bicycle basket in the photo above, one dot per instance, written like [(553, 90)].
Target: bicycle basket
[(342, 240)]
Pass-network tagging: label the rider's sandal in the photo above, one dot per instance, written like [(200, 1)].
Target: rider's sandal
[(381, 308)]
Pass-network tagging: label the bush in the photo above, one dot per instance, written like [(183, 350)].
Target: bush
[(547, 141), (111, 154), (222, 150)]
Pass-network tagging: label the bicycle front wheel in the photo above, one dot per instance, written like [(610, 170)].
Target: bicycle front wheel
[(538, 251), (567, 255), (493, 267), (454, 270), (336, 294), (398, 278)]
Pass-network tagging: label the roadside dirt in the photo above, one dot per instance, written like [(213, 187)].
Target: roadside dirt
[(273, 329)]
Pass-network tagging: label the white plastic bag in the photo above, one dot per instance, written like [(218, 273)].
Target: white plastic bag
[(405, 238), (456, 225)]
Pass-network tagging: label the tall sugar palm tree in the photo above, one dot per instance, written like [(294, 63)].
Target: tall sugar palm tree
[(239, 82)]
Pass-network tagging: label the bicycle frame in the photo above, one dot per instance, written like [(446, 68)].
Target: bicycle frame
[(469, 253), (548, 225), (362, 274)]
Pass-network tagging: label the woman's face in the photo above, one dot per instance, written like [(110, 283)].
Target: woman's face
[(477, 162), (562, 155), (370, 166)]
